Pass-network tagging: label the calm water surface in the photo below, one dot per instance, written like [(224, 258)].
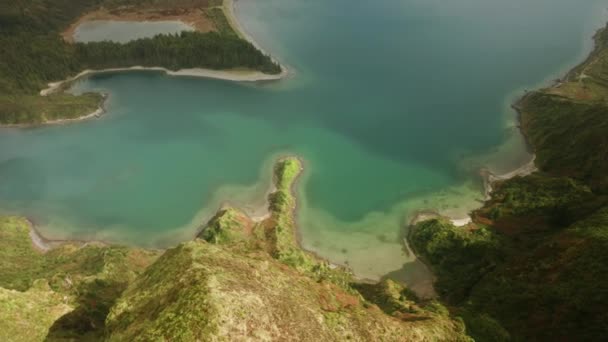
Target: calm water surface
[(393, 105), (124, 31)]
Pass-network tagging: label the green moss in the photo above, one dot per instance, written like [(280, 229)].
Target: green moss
[(20, 261), (168, 302), (35, 109), (390, 297), (88, 278), (286, 172), (28, 316), (202, 291), (226, 227)]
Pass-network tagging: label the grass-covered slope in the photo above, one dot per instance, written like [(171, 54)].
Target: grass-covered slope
[(567, 124), (28, 316), (34, 53), (533, 265), (569, 136), (66, 292), (201, 291)]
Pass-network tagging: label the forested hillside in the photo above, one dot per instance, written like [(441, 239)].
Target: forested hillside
[(33, 53), (533, 264)]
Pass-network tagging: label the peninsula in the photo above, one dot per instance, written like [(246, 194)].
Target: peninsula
[(214, 50)]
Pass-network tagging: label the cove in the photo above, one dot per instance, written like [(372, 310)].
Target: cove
[(124, 31), (393, 106)]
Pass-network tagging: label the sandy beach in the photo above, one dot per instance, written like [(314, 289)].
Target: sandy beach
[(235, 75), (228, 75), (489, 178), (230, 11)]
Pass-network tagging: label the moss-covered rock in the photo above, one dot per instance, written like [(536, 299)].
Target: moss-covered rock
[(228, 226), (201, 291), (393, 298), (88, 279), (28, 316)]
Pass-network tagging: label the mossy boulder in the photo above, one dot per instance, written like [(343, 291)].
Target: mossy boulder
[(228, 226)]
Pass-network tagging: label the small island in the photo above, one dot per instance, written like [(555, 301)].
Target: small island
[(216, 48)]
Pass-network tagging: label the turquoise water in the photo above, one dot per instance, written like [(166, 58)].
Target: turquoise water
[(124, 31), (393, 105)]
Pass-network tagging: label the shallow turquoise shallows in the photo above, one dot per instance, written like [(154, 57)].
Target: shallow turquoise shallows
[(124, 31), (393, 105)]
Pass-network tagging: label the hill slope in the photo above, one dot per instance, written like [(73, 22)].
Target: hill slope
[(533, 264)]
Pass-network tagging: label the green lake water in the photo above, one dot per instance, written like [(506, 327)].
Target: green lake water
[(393, 106)]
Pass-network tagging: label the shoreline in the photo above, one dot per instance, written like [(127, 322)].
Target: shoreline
[(233, 75), (236, 75), (488, 178), (528, 168), (96, 114), (45, 244), (229, 7)]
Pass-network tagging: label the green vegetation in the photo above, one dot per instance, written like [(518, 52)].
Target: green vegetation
[(567, 125), (533, 264), (70, 288), (201, 291), (217, 16), (35, 109), (443, 247), (28, 316), (242, 280), (226, 227), (35, 54), (569, 137)]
